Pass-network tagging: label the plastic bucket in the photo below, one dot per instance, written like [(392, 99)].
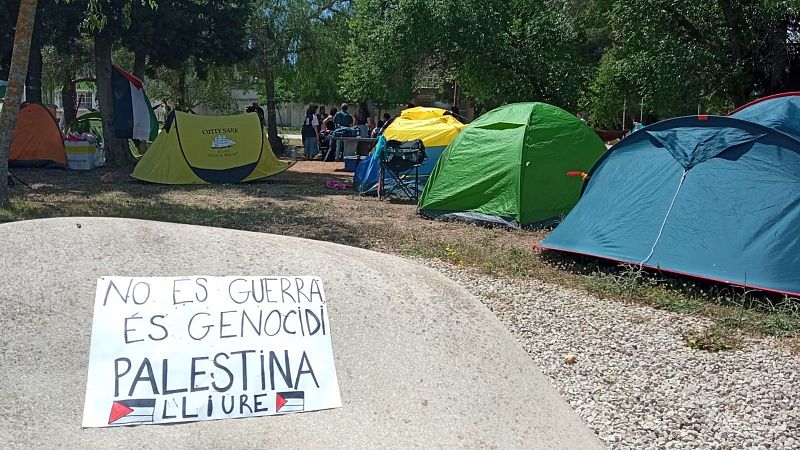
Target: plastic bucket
[(80, 155)]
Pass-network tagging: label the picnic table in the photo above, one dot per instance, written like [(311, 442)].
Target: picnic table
[(352, 146)]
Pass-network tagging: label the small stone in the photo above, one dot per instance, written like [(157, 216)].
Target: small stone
[(570, 358), (107, 178)]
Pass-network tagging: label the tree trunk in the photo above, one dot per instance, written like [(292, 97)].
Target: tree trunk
[(139, 61), (272, 121), (117, 152), (778, 58), (16, 80), (68, 96), (33, 82), (737, 48), (181, 100)]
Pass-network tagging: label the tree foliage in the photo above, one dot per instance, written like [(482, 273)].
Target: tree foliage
[(498, 51), (311, 74), (205, 33), (678, 54), (595, 55), (289, 40), (389, 39), (183, 87), (584, 55)]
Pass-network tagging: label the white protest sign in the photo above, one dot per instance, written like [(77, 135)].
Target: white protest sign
[(203, 348)]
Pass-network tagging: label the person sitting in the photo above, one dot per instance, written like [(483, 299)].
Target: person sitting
[(321, 115), (378, 130), (343, 118), (328, 124)]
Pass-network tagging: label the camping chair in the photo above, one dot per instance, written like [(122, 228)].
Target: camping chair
[(401, 161)]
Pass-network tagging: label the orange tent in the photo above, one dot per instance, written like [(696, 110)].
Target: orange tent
[(37, 140)]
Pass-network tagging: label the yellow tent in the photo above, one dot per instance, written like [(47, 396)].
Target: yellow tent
[(196, 149), (433, 126)]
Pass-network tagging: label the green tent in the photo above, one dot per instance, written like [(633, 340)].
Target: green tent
[(88, 123), (92, 123), (509, 167)]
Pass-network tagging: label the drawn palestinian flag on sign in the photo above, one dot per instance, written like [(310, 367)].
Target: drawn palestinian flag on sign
[(130, 412), (288, 402), (133, 114)]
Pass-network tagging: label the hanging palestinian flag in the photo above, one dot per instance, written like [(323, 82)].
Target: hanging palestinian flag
[(133, 114)]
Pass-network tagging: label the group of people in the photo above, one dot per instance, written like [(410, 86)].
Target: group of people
[(319, 125)]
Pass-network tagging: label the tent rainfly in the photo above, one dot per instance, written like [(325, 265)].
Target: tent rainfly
[(195, 149), (509, 167), (707, 196), (37, 140)]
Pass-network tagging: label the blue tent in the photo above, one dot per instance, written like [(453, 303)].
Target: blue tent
[(707, 196)]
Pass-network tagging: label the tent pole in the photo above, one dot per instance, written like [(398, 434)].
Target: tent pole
[(641, 111), (624, 107)]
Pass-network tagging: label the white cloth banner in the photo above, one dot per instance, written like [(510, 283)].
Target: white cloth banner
[(202, 348)]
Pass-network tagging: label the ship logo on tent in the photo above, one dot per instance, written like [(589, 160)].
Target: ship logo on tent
[(222, 141), (288, 402), (132, 412)]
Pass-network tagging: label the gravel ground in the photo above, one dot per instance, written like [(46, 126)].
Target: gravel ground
[(636, 383)]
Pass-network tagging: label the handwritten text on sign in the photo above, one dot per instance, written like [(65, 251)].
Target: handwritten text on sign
[(203, 348)]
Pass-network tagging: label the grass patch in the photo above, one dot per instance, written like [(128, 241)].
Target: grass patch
[(713, 339), (486, 253), (288, 130), (734, 310), (630, 282)]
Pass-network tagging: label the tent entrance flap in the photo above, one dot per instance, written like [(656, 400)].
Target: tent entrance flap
[(233, 175)]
